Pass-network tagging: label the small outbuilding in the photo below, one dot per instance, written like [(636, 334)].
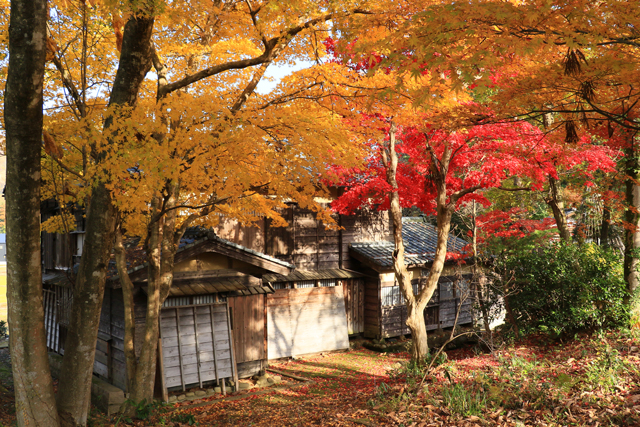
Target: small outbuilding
[(385, 311)]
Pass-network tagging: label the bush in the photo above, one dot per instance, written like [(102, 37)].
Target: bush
[(564, 288), (3, 329)]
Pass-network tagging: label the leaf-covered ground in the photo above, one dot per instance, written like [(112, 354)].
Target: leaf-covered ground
[(589, 381)]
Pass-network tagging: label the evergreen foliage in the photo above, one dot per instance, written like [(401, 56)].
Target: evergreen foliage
[(564, 287)]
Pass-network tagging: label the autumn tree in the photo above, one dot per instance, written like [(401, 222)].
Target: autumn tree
[(199, 142), (435, 170), (573, 62)]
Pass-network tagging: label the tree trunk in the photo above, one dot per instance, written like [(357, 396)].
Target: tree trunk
[(557, 206), (632, 229), (418, 327), (604, 227), (417, 305), (415, 317), (34, 396), (129, 314), (74, 390), (161, 247)]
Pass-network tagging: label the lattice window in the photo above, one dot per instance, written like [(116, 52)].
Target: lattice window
[(306, 284), (328, 283), (193, 300)]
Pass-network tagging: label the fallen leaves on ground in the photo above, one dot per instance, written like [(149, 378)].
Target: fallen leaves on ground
[(588, 381)]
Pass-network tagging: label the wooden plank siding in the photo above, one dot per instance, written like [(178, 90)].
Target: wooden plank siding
[(372, 309), (189, 336), (307, 320), (312, 245), (439, 313), (248, 328)]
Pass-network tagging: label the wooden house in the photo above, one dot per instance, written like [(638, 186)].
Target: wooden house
[(385, 311), (321, 303), (212, 326), (243, 295)]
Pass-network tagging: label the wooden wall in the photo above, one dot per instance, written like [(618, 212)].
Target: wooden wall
[(372, 309), (110, 361), (58, 250), (310, 245), (390, 321), (196, 345), (251, 236), (307, 320)]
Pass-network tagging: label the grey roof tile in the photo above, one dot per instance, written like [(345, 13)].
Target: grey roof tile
[(420, 241)]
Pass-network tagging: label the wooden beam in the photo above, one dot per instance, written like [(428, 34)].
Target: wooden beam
[(234, 367), (195, 328), (180, 350), (213, 342)]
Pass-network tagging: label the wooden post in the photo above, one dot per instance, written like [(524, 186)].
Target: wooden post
[(266, 335), (234, 368), (180, 350), (195, 328), (213, 343)]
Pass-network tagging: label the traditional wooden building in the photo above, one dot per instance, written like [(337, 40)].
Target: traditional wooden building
[(385, 311), (213, 325), (244, 295)]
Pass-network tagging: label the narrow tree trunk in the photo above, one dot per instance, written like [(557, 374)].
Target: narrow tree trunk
[(129, 316), (604, 226), (146, 365), (74, 390), (557, 206), (34, 396), (632, 229)]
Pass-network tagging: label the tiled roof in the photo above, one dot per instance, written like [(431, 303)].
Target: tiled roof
[(420, 240), (300, 275), (231, 286), (136, 256), (197, 235)]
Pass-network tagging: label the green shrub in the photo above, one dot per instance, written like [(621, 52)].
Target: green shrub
[(3, 329), (563, 288)]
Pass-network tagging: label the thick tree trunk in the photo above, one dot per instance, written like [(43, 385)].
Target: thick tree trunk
[(632, 230), (74, 390), (557, 206), (35, 401)]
